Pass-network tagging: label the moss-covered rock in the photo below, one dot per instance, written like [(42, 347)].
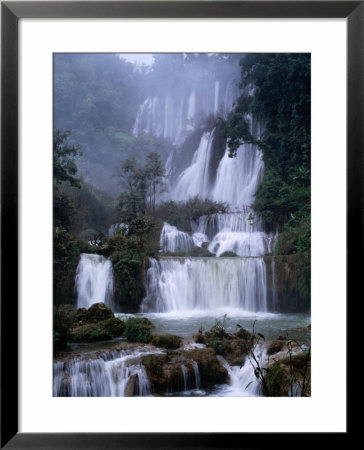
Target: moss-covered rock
[(275, 346), (169, 341), (201, 252), (96, 313), (80, 316), (233, 347), (175, 371), (103, 330), (154, 366), (228, 254), (279, 375), (211, 371), (199, 338), (138, 329)]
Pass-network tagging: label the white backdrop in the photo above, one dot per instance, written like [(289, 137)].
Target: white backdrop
[(325, 410)]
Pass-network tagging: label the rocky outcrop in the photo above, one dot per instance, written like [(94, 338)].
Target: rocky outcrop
[(168, 341), (94, 314), (233, 347), (176, 371)]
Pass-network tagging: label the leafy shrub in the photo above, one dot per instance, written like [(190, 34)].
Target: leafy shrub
[(137, 329), (63, 318), (66, 254)]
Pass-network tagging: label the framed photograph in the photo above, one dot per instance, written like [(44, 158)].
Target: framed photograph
[(175, 246)]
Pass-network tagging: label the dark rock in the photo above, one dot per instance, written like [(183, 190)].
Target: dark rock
[(130, 387), (199, 338), (275, 346), (169, 341), (165, 371), (96, 313)]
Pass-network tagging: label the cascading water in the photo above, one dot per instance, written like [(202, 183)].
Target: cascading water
[(174, 115), (195, 181), (107, 375), (243, 382), (235, 232), (187, 284), (173, 240), (94, 281), (244, 173)]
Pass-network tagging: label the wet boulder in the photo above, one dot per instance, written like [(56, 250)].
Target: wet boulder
[(96, 313), (178, 370), (168, 341), (275, 346)]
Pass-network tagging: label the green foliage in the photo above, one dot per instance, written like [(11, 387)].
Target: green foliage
[(64, 170), (169, 341), (63, 211), (66, 253), (97, 95), (275, 382), (296, 239), (233, 346), (63, 318), (100, 331), (127, 254), (64, 154), (281, 101), (180, 214), (217, 337), (141, 184), (138, 329), (92, 209)]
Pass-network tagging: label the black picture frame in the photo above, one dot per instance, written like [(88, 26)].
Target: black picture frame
[(11, 12)]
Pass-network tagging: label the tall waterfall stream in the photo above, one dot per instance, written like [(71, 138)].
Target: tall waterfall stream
[(184, 292)]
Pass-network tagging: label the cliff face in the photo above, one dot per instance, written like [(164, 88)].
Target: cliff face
[(282, 277)]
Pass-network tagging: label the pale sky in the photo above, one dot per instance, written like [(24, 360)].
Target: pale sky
[(139, 58)]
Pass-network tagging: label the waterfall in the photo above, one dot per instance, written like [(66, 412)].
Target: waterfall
[(244, 173), (216, 97), (173, 240), (106, 375), (206, 284), (197, 374), (241, 233), (243, 222), (94, 281), (174, 115), (274, 290), (243, 382), (195, 284), (194, 181), (185, 375)]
